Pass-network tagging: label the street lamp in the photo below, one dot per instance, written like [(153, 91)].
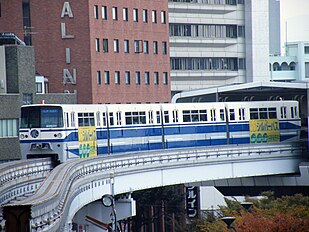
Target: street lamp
[(228, 221), (247, 205), (109, 201)]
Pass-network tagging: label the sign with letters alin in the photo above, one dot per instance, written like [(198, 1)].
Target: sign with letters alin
[(264, 131), (87, 141)]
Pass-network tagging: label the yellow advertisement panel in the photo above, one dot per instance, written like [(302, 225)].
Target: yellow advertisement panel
[(87, 141), (264, 131)]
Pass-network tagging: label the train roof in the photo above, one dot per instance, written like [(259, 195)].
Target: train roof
[(163, 104)]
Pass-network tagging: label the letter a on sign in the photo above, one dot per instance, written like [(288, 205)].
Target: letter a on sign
[(66, 10)]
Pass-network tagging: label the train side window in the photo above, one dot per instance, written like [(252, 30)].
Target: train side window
[(86, 119), (135, 118), (263, 113), (111, 119), (166, 117), (118, 115), (283, 111), (150, 115), (295, 112), (194, 116), (186, 116), (241, 112), (222, 115), (72, 119), (272, 113), (67, 123), (213, 115), (175, 115), (203, 115), (292, 113), (98, 119), (158, 117), (232, 114), (254, 113), (104, 119)]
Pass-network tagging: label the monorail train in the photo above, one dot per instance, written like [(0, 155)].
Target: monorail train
[(71, 131)]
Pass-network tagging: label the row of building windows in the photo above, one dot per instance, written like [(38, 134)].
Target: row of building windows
[(127, 78), (283, 67), (206, 30), (196, 63), (140, 46), (125, 14), (8, 128), (211, 2)]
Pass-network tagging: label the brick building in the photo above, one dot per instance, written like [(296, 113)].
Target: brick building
[(105, 51)]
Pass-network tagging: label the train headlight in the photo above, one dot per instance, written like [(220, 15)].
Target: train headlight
[(59, 135), (22, 136)]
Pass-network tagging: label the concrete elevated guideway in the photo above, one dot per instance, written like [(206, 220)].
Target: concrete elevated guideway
[(75, 184)]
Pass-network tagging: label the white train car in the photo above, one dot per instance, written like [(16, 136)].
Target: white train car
[(70, 131)]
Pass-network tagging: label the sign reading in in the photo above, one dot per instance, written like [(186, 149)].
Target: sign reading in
[(264, 131), (87, 141)]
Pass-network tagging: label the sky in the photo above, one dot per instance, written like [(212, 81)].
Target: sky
[(294, 17)]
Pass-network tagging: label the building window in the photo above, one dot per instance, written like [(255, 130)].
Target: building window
[(39, 87), (147, 78), (27, 98), (155, 47), (204, 63), (104, 12), (105, 45), (241, 1), (117, 78), (137, 47), (99, 77), (127, 77), (306, 69), (106, 77), (125, 15), (8, 128), (306, 49), (156, 78), (154, 16), (126, 46), (241, 31), (97, 44), (137, 78), (146, 47), (96, 12), (165, 78), (163, 17), (164, 47), (242, 63), (135, 15), (115, 13), (116, 45), (203, 30), (145, 16)]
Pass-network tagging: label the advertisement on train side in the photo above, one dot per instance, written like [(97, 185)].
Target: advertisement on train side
[(264, 131), (87, 141)]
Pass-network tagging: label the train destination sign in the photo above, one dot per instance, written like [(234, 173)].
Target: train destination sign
[(264, 131)]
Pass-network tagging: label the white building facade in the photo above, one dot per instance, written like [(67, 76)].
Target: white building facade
[(218, 42), (292, 67)]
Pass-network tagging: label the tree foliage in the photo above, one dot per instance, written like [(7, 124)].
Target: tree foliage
[(288, 213)]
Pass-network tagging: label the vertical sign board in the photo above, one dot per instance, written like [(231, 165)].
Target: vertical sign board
[(192, 201), (264, 131), (87, 141)]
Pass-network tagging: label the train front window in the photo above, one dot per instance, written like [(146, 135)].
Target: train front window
[(41, 117)]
